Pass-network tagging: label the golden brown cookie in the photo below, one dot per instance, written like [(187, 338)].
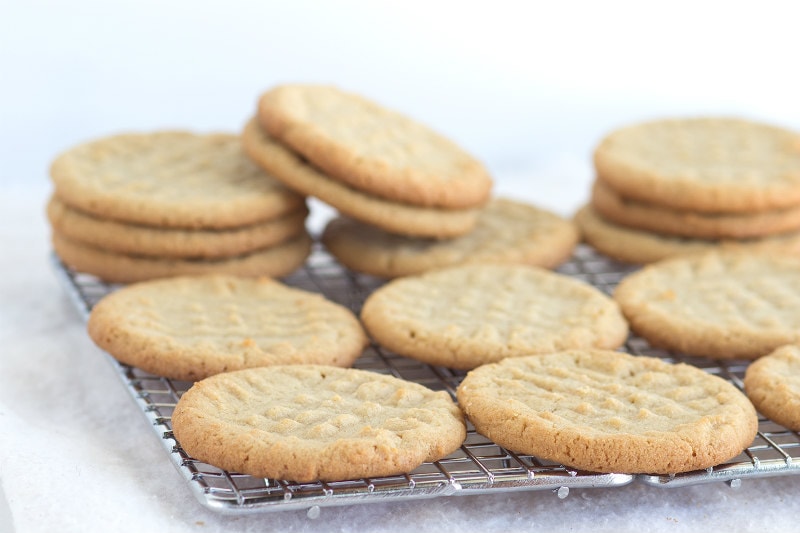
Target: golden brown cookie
[(710, 165), (373, 149), (773, 385), (170, 179), (727, 304), (134, 239), (617, 209), (310, 422), (274, 261), (192, 327), (395, 217), (605, 411), (469, 315), (638, 246), (507, 232)]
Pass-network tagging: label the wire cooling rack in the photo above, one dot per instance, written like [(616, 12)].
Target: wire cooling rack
[(478, 467)]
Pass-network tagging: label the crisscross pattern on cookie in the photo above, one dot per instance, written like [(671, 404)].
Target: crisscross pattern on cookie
[(171, 179), (608, 411), (720, 304), (469, 315), (193, 327), (313, 422)]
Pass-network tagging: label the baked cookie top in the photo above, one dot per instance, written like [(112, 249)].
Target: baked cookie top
[(722, 304), (396, 217), (192, 327), (311, 422), (639, 246), (606, 411), (773, 385), (469, 315), (703, 164), (373, 149), (170, 179)]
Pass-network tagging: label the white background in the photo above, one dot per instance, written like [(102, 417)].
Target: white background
[(528, 87)]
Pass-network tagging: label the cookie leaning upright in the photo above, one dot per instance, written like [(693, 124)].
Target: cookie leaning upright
[(369, 163), (195, 326), (372, 148)]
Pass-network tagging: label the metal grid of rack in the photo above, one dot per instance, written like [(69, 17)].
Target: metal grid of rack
[(479, 466)]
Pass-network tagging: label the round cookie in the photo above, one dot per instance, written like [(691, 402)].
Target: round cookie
[(605, 411), (192, 327), (274, 261), (469, 315), (716, 165), (636, 246), (506, 232), (727, 304), (170, 179), (773, 385), (395, 217), (141, 240), (373, 149), (648, 217), (308, 422)]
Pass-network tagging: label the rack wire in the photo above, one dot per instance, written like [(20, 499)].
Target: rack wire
[(478, 467)]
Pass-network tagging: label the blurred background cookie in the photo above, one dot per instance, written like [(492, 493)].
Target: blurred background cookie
[(137, 206), (711, 180), (507, 231), (396, 217), (358, 156)]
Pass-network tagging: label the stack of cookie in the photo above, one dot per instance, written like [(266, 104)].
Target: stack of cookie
[(368, 162), (670, 187), (410, 199), (139, 206)]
